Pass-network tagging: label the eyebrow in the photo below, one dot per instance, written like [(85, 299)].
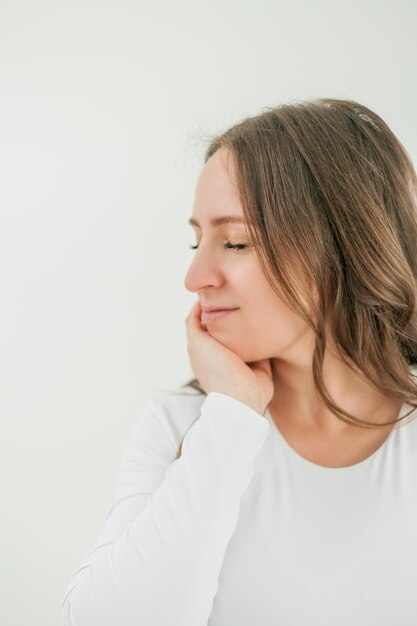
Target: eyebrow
[(218, 221)]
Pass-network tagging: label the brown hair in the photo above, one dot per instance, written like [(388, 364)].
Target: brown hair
[(327, 182)]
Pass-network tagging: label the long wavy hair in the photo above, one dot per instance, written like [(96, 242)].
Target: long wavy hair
[(326, 182)]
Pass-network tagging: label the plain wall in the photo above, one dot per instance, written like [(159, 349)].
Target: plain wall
[(103, 106)]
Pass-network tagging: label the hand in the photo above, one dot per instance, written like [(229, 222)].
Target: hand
[(218, 368)]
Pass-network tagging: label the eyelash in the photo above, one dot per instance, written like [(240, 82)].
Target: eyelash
[(236, 246)]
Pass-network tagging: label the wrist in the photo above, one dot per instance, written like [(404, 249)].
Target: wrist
[(249, 401)]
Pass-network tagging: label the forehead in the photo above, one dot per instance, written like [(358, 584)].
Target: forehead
[(216, 199)]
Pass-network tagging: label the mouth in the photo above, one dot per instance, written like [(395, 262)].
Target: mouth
[(212, 316)]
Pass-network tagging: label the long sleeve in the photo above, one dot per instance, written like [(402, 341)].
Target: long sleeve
[(159, 556)]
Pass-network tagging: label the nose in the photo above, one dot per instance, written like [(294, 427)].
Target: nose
[(203, 272)]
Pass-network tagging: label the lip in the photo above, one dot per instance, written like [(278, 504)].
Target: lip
[(208, 309), (214, 315)]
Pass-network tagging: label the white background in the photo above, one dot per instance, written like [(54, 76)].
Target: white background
[(103, 109)]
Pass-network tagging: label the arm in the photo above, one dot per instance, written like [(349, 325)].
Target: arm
[(158, 559)]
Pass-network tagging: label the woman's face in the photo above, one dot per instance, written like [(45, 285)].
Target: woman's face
[(263, 326)]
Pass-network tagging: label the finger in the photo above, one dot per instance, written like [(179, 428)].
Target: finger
[(191, 313), (193, 320), (197, 311)]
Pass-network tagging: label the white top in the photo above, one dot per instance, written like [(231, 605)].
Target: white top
[(241, 530)]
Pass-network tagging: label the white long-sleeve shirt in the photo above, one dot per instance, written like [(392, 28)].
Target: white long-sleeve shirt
[(241, 530)]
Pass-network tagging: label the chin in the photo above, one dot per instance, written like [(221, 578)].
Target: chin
[(247, 353)]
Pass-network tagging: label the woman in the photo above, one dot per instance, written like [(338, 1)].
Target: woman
[(285, 491)]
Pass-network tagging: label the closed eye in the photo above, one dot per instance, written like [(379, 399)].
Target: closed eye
[(236, 246)]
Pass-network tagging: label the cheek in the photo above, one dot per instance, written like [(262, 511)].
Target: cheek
[(269, 319), (272, 324)]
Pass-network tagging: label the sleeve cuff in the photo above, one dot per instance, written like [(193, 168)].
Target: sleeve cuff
[(241, 413)]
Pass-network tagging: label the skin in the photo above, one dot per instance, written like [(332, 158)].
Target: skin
[(264, 327)]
